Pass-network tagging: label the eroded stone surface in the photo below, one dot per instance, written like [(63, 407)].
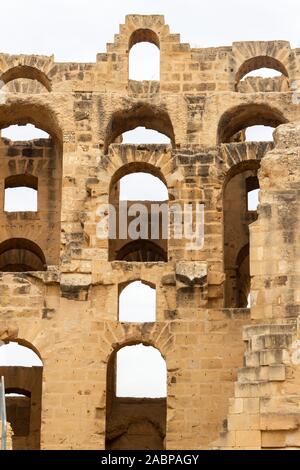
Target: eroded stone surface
[(67, 308)]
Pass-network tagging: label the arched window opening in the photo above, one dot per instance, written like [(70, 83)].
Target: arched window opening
[(14, 354), (262, 66), (259, 134), (136, 399), (21, 255), (141, 135), (140, 115), (144, 55), (142, 187), (137, 303), (240, 199), (141, 372), (26, 72), (263, 72), (144, 62), (27, 113), (20, 199), (143, 251), (252, 187), (139, 222), (253, 199), (234, 123), (17, 132), (31, 144), (22, 369), (21, 193)]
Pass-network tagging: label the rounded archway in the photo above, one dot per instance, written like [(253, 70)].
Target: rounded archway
[(138, 216), (260, 62), (141, 251), (239, 211), (21, 193), (137, 302), (27, 72), (144, 55), (22, 369), (136, 398), (21, 255), (140, 114), (26, 112), (32, 170), (237, 119)]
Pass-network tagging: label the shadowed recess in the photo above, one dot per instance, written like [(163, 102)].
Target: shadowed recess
[(141, 114), (26, 71), (260, 62), (240, 117), (20, 254)]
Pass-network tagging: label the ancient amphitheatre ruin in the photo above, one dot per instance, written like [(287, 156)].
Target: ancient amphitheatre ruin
[(233, 370)]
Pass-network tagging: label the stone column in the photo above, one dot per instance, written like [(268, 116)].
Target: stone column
[(275, 236)]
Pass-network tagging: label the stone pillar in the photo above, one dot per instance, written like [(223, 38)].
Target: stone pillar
[(275, 236)]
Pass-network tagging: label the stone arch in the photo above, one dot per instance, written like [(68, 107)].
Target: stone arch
[(137, 167), (239, 117), (46, 166), (133, 341), (21, 254), (27, 344), (23, 112), (14, 196), (240, 167), (143, 56), (26, 72), (24, 412), (139, 114), (268, 52), (235, 157), (137, 301), (28, 180), (155, 334), (142, 28), (127, 419), (257, 62), (143, 35), (236, 238), (257, 83), (141, 249), (141, 159), (122, 285)]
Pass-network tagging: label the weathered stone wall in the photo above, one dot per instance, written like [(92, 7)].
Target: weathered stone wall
[(39, 159), (9, 436), (68, 313), (264, 412), (76, 336), (23, 407)]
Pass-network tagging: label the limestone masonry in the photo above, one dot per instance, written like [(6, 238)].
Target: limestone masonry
[(233, 371)]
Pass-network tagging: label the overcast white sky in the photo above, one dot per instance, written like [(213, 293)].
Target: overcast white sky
[(75, 30)]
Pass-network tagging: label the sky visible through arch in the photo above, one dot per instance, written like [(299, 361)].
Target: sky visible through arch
[(76, 30)]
